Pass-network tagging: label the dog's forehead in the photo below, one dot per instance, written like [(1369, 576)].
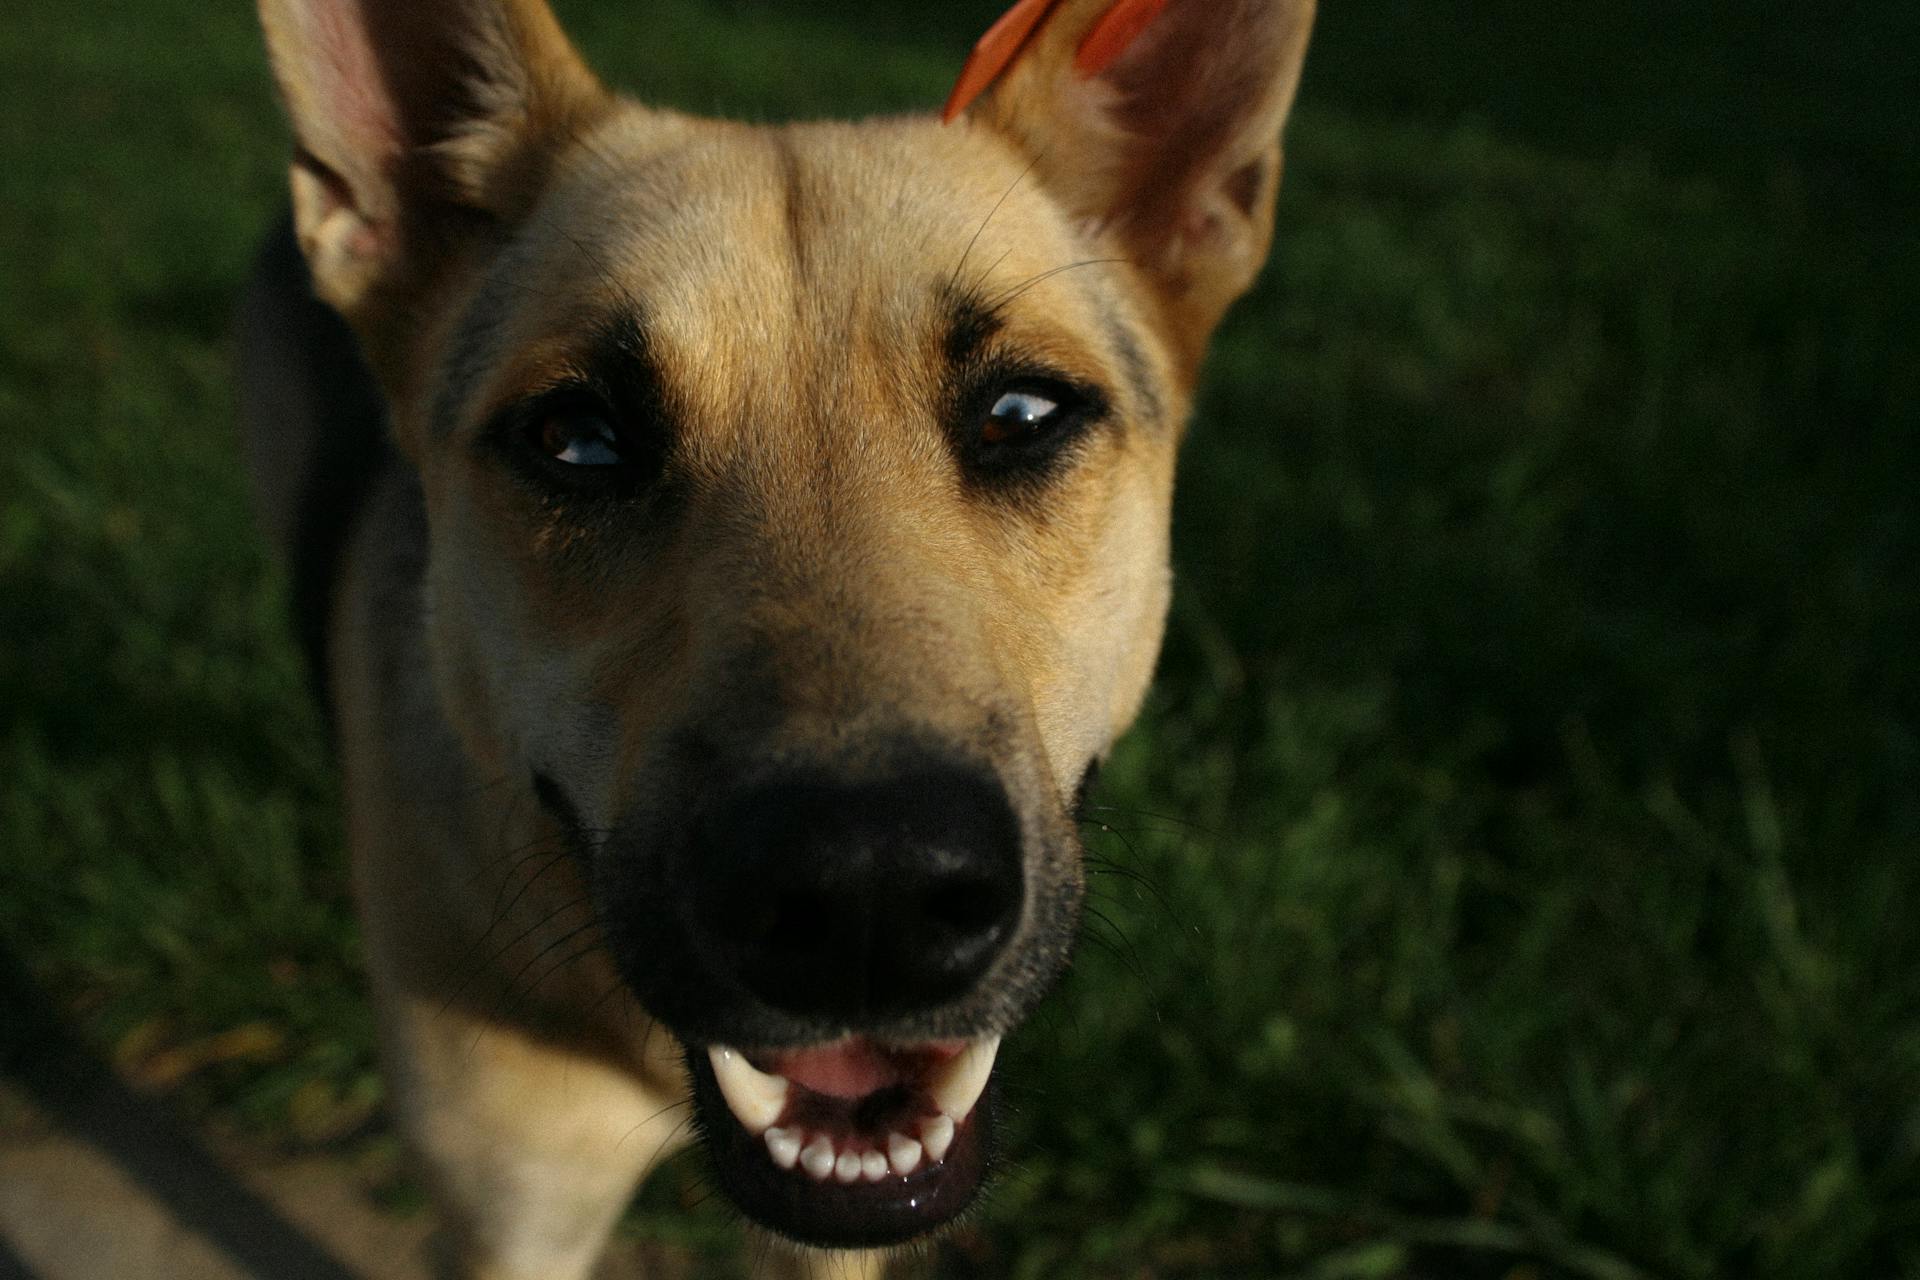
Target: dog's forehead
[(756, 253), (756, 215)]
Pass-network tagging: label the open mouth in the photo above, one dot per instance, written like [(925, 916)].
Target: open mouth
[(850, 1144)]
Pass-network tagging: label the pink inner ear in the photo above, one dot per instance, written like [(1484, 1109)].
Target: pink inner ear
[(353, 88)]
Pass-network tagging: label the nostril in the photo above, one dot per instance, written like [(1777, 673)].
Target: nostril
[(784, 920), (966, 909), (795, 922)]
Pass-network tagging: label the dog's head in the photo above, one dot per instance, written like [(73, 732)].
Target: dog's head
[(799, 504)]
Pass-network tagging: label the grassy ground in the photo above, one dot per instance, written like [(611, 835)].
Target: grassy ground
[(1514, 875)]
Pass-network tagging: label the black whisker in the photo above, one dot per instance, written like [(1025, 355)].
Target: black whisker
[(953, 281), (1131, 957), (593, 946), (973, 290), (526, 885), (1188, 823), (500, 951), (1107, 867), (511, 992), (515, 990), (683, 1103), (1001, 302)]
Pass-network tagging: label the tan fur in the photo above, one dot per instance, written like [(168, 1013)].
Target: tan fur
[(829, 578)]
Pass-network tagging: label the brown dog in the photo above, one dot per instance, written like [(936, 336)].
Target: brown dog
[(773, 537)]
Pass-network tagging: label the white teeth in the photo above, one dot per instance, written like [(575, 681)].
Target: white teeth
[(755, 1098), (817, 1159), (961, 1082), (758, 1100), (902, 1156), (903, 1153), (937, 1134), (784, 1146)]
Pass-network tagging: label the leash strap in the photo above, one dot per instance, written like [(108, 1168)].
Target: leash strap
[(1111, 36)]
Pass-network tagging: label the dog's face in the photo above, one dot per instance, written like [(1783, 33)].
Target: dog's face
[(798, 501)]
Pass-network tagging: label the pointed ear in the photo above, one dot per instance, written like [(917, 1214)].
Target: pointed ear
[(413, 119), (1174, 144)]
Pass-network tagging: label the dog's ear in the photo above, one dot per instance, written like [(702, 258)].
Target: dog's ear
[(1174, 143), (415, 120)]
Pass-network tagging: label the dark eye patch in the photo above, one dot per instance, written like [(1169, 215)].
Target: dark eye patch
[(600, 430), (571, 441), (1014, 422), (1011, 419)]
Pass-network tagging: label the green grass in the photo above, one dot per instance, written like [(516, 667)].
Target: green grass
[(1514, 873)]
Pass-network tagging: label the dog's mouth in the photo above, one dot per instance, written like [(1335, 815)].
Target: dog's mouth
[(852, 1144)]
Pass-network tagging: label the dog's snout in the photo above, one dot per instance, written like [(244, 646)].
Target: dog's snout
[(859, 902)]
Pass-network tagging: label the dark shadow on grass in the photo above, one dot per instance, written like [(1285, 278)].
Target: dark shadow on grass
[(83, 1096)]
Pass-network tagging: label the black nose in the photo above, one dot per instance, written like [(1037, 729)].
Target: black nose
[(859, 902)]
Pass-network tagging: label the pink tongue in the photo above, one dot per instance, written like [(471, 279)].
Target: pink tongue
[(849, 1069), (854, 1068)]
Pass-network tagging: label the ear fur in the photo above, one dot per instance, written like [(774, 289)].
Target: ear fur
[(412, 119), (1175, 146)]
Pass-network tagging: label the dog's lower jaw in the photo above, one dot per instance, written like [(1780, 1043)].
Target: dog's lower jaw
[(847, 1193)]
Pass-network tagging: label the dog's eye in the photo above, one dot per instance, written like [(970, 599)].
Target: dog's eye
[(578, 439), (1022, 425), (1021, 412), (576, 442)]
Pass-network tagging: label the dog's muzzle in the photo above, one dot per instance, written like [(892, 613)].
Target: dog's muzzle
[(858, 906), (850, 950)]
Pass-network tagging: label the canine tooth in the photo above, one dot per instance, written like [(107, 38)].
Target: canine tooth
[(784, 1146), (937, 1134), (847, 1167), (755, 1098), (817, 1159), (903, 1153), (961, 1082), (873, 1166)]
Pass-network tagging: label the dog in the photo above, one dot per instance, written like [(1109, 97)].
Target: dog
[(727, 553)]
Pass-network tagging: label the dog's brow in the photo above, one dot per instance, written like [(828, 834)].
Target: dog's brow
[(969, 326), (619, 355), (618, 361), (615, 358)]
